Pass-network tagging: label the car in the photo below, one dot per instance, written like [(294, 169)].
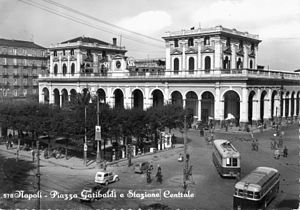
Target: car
[(106, 177), (142, 167), (90, 194)]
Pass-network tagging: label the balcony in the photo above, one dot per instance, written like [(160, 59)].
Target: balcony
[(5, 65), (217, 74), (16, 66), (25, 75), (16, 86)]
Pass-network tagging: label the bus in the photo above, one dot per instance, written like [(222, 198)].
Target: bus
[(226, 158), (257, 189)]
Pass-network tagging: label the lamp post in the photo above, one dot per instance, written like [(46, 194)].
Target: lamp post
[(85, 139), (98, 158)]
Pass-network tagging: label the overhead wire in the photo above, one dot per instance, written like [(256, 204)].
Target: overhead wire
[(99, 20), (81, 21)]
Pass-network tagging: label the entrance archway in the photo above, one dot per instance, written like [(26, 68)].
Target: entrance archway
[(56, 97), (192, 102), (119, 99), (263, 105), (46, 95), (177, 98), (64, 98), (158, 98), (101, 95), (207, 106), (250, 106), (138, 99), (73, 96), (232, 105), (275, 105)]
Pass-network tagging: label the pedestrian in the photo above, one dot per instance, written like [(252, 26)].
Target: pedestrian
[(7, 145), (159, 176), (285, 152), (256, 145), (184, 187), (33, 155), (238, 176), (158, 168), (276, 154)]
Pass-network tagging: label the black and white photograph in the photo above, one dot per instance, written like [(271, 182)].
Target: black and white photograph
[(149, 105)]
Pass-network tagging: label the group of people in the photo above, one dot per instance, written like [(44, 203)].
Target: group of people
[(158, 175)]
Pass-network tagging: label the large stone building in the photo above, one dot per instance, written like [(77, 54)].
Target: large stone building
[(211, 71), (20, 64)]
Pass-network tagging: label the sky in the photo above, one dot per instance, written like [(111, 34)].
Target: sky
[(277, 22)]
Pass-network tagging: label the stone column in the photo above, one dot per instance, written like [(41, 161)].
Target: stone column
[(168, 56), (233, 56), (199, 56), (256, 108), (295, 107), (244, 108), (68, 65), (147, 103), (60, 99), (267, 107), (183, 58), (283, 105), (51, 63), (290, 106), (78, 57), (245, 62), (166, 94), (199, 109), (127, 98), (218, 56)]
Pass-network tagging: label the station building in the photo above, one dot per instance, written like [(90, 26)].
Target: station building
[(211, 71)]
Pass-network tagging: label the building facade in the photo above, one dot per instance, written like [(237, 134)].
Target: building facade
[(212, 72), (20, 64)]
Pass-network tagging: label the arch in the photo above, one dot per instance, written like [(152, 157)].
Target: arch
[(176, 98), (137, 99), (207, 64), (158, 98), (46, 95), (72, 69), (119, 99), (101, 95), (64, 68), (232, 105), (64, 98), (275, 104), (176, 65), (207, 106), (73, 96), (56, 97), (191, 102), (191, 65), (55, 71), (250, 106), (286, 104), (263, 105), (292, 104)]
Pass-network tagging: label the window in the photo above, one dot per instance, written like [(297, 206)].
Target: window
[(64, 52), (234, 161), (190, 42), (55, 69), (72, 51), (241, 192), (73, 68), (15, 61), (207, 63), (55, 53), (206, 40), (239, 64), (256, 195), (25, 92), (251, 64), (241, 45), (15, 92), (249, 194), (176, 43), (176, 65), (64, 69), (15, 51), (191, 64)]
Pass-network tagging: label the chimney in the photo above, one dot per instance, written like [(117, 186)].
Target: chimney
[(115, 41)]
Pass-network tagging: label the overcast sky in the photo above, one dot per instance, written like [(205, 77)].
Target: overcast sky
[(277, 22)]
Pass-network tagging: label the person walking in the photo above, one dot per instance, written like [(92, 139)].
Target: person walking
[(158, 175), (33, 155), (184, 187), (285, 152)]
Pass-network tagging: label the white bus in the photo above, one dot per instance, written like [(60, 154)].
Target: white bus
[(257, 189), (226, 158)]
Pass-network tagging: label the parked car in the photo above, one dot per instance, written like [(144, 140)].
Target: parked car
[(90, 194), (106, 177), (142, 167)]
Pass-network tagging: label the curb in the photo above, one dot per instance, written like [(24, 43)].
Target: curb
[(95, 166)]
